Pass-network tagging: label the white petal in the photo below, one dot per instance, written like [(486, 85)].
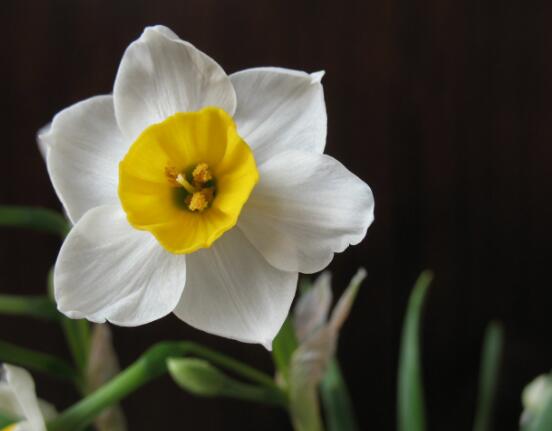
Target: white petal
[(161, 75), (107, 270), (84, 149), (280, 109), (233, 292), (312, 308), (42, 144), (306, 207), (18, 396)]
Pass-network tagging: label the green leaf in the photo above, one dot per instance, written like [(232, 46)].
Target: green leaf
[(40, 307), (488, 376), (37, 361), (40, 219), (203, 379), (283, 347), (6, 420), (411, 405), (337, 403), (77, 335)]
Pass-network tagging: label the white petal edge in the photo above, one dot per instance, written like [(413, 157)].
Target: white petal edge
[(280, 109), (41, 142), (305, 208), (18, 397), (108, 271), (161, 75), (312, 308), (233, 292), (84, 147)]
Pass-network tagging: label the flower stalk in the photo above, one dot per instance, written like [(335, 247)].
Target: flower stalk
[(148, 367)]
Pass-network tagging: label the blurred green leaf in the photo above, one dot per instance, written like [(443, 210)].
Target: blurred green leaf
[(40, 219), (6, 421), (283, 347), (40, 307), (77, 335), (488, 376), (337, 403), (410, 396), (203, 379), (305, 284), (36, 361)]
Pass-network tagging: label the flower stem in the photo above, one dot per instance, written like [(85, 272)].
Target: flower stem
[(152, 364)]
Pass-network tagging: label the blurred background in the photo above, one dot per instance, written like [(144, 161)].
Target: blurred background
[(442, 107)]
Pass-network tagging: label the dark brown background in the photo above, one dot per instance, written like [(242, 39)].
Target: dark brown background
[(443, 107)]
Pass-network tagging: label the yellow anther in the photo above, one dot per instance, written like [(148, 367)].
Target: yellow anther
[(198, 202), (9, 428), (202, 174), (181, 179)]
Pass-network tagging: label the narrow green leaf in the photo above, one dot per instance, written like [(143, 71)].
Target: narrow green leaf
[(203, 379), (488, 376), (283, 347), (337, 403), (40, 307), (77, 334), (40, 219), (410, 397), (36, 361)]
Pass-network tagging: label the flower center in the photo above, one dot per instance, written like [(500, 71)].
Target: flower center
[(9, 428), (198, 184), (186, 179)]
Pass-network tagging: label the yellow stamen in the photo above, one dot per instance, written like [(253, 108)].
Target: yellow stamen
[(181, 179), (9, 428), (198, 202), (202, 174)]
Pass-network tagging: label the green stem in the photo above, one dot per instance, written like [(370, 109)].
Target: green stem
[(149, 366), (40, 307), (37, 361), (40, 219)]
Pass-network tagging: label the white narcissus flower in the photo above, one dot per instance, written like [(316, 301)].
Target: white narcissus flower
[(198, 193), (535, 397), (18, 401)]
